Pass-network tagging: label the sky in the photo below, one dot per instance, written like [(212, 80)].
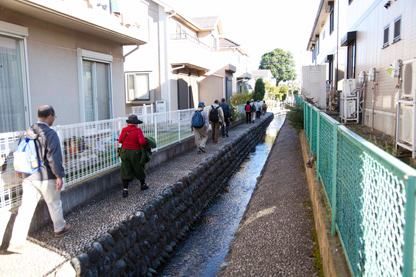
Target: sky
[(260, 26)]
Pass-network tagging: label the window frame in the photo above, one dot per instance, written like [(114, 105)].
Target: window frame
[(21, 33), (386, 42), (351, 59), (396, 38), (95, 57), (331, 22), (134, 73)]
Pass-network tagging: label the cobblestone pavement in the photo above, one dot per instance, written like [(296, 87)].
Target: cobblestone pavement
[(275, 235), (44, 253)]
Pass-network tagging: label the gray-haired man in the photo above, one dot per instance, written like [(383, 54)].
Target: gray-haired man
[(46, 182)]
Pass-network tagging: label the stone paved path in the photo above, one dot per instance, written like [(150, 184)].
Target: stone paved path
[(275, 235)]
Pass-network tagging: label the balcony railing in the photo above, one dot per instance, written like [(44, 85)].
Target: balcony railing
[(193, 39)]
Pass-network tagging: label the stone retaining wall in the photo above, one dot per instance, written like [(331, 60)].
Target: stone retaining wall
[(143, 243)]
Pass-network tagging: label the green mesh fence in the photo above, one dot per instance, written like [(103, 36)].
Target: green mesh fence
[(326, 157), (372, 198), (314, 129)]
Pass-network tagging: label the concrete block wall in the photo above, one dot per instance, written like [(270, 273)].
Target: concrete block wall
[(142, 243)]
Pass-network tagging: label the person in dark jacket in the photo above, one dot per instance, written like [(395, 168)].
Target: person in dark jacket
[(132, 138), (227, 118), (247, 108), (46, 182)]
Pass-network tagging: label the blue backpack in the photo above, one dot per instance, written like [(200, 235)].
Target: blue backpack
[(26, 159), (198, 120)]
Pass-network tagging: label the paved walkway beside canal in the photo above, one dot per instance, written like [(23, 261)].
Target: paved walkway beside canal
[(44, 253), (275, 235)]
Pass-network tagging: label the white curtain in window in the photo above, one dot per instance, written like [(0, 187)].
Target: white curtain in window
[(103, 91), (88, 91), (142, 86), (12, 108)]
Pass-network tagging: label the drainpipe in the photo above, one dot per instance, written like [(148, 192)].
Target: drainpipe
[(124, 57), (172, 13), (374, 99)]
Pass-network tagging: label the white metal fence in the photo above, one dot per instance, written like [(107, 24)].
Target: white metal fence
[(90, 148)]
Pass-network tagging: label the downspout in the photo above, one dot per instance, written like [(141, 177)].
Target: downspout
[(374, 99), (124, 57), (398, 87), (336, 72), (166, 61)]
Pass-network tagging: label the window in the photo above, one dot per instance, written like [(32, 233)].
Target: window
[(351, 60), (397, 26), (331, 22), (14, 110), (317, 45), (95, 88), (180, 31), (386, 36), (137, 86)]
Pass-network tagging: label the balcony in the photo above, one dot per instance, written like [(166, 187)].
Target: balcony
[(125, 24)]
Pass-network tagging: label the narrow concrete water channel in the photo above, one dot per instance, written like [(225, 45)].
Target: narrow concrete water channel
[(204, 251)]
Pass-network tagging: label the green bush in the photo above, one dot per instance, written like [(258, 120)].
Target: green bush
[(295, 116), (238, 99)]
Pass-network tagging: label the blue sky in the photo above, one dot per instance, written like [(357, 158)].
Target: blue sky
[(260, 26)]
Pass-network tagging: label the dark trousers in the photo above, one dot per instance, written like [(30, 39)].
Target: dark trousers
[(248, 117), (225, 126)]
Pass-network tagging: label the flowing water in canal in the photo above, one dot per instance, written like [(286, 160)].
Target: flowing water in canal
[(204, 251)]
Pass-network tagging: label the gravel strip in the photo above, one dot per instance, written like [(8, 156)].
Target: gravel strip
[(44, 253), (275, 235)]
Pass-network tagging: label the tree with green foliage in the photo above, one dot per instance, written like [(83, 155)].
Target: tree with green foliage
[(259, 90), (280, 63)]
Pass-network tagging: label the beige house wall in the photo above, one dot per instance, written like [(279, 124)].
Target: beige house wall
[(53, 68)]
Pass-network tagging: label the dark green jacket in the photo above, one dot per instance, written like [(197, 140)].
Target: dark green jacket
[(147, 150)]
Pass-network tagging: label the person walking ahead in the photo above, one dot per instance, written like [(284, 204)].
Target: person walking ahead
[(200, 127), (132, 138), (46, 182), (227, 118), (247, 108), (216, 119)]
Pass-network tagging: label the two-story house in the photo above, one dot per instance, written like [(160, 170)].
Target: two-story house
[(365, 45), (184, 61), (68, 54)]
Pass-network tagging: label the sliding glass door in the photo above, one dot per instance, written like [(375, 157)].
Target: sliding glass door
[(97, 93), (13, 95)]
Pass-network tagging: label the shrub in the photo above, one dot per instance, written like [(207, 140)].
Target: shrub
[(295, 116)]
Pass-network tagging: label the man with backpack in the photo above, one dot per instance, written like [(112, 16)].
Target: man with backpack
[(253, 109), (46, 181), (264, 107), (216, 119), (227, 118), (200, 127), (247, 108)]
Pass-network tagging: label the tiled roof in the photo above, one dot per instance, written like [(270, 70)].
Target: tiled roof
[(225, 42), (206, 22)]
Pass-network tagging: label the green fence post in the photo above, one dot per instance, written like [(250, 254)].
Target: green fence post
[(318, 128), (409, 227), (310, 130), (334, 177)]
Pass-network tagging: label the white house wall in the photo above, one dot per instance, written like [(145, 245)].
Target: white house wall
[(53, 69), (146, 59), (370, 54)]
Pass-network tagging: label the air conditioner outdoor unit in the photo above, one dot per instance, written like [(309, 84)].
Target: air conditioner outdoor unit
[(348, 86), (409, 79), (406, 125)]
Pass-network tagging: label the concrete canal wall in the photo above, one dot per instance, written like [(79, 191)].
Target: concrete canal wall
[(142, 243)]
